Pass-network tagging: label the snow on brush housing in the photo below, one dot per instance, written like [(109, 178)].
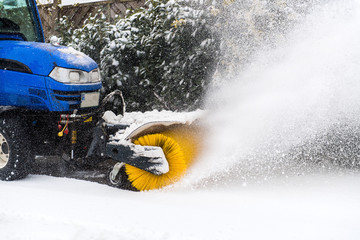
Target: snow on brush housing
[(137, 119)]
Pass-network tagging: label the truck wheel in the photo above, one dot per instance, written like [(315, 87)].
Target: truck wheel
[(14, 150), (120, 179)]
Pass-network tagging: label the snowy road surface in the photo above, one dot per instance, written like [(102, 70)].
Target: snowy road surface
[(316, 204), (262, 176), (305, 207)]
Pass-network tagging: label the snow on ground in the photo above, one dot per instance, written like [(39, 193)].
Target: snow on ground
[(246, 185), (317, 205), (310, 207)]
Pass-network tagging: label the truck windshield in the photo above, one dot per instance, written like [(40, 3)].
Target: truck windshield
[(19, 20)]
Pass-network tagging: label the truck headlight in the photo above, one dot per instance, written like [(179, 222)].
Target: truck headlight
[(74, 76), (95, 76)]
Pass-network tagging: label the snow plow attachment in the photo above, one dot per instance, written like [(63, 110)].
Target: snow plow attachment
[(156, 154)]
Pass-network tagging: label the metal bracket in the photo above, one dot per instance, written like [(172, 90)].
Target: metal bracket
[(114, 173), (148, 158)]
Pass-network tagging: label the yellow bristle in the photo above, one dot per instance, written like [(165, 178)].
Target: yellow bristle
[(143, 180), (189, 139), (180, 143)]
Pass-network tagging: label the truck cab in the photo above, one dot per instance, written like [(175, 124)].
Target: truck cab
[(40, 76), (49, 94)]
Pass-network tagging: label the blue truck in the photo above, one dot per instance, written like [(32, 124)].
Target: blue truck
[(50, 105), (49, 94)]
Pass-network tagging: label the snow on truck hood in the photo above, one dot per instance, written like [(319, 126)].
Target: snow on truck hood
[(41, 58)]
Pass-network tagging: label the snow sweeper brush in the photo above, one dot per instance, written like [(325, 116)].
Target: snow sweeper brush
[(156, 154)]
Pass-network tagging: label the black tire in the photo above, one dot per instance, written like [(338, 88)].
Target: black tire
[(14, 149), (121, 180)]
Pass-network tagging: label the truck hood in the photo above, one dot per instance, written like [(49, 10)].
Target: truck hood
[(41, 58)]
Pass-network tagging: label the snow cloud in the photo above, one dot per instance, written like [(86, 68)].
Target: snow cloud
[(291, 106)]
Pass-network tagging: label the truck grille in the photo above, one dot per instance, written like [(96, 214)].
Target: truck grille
[(73, 98)]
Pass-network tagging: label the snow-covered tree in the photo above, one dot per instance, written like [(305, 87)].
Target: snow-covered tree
[(162, 56), (90, 39), (249, 26)]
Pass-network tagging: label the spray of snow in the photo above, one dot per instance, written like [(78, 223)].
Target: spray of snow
[(275, 116)]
